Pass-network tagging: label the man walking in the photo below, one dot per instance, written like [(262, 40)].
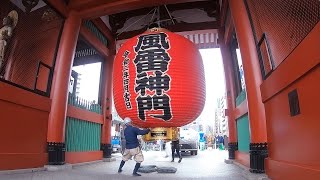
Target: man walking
[(175, 146), (132, 145)]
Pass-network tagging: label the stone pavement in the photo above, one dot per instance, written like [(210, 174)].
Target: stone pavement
[(206, 165)]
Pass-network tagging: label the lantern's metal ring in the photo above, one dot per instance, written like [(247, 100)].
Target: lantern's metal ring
[(157, 29), (154, 30)]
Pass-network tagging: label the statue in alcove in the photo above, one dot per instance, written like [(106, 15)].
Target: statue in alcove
[(9, 23)]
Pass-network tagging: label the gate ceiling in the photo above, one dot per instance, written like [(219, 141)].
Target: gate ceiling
[(128, 18)]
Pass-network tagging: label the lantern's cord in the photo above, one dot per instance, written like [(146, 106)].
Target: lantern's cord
[(154, 9), (154, 12), (159, 18), (158, 9), (169, 14)]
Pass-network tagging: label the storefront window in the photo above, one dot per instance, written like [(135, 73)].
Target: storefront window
[(237, 66)]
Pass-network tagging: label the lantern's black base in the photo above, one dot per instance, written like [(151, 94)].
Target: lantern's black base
[(258, 153), (107, 150), (232, 148), (56, 153)]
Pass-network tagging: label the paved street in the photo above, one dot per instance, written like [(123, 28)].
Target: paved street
[(207, 164)]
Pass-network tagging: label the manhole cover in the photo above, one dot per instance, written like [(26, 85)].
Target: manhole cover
[(166, 169), (148, 169)]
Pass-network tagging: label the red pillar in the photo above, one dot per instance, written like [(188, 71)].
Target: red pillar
[(107, 107), (251, 69), (59, 92), (227, 65)]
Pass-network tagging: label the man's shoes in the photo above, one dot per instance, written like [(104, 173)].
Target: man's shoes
[(136, 174), (180, 160), (172, 160), (121, 165), (135, 170)]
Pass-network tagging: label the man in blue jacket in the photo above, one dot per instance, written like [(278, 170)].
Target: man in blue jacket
[(132, 145)]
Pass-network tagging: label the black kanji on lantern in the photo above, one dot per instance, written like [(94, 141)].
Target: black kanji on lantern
[(157, 103), (152, 60), (144, 103), (125, 76), (159, 83), (162, 102), (152, 41), (142, 83)]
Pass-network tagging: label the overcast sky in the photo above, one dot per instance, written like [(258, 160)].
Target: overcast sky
[(215, 82)]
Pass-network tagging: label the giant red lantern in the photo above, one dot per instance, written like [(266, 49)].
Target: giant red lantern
[(158, 80)]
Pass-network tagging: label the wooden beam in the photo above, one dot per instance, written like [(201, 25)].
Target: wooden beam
[(193, 26), (113, 7), (175, 28), (87, 60), (223, 12), (93, 40), (105, 31), (59, 6), (84, 4), (171, 7)]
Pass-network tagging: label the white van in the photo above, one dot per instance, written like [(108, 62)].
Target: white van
[(189, 140)]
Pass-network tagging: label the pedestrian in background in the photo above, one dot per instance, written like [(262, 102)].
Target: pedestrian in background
[(175, 146)]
